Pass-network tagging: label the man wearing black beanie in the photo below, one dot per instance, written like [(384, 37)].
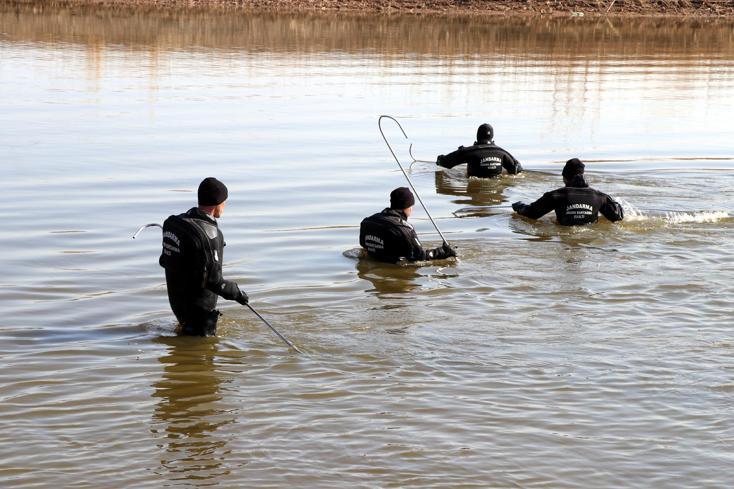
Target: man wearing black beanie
[(576, 203), (388, 237), (193, 249), (483, 158)]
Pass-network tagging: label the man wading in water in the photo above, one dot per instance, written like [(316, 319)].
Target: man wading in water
[(483, 158), (388, 237), (576, 203), (192, 255)]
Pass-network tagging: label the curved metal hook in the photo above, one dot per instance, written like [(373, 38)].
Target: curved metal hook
[(416, 160), (410, 147), (379, 125), (410, 152), (140, 229)]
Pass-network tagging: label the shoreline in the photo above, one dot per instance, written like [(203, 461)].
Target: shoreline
[(494, 8)]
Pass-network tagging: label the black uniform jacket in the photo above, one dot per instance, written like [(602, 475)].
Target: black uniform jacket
[(193, 248), (575, 204), (483, 160), (388, 237)]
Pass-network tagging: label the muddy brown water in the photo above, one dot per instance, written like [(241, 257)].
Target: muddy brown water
[(544, 357)]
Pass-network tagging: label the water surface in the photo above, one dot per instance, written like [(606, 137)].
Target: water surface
[(544, 357)]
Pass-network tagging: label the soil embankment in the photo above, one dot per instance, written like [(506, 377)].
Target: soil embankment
[(678, 8)]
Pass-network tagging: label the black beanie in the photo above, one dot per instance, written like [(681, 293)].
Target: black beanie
[(212, 192), (573, 167), (485, 132), (401, 198)]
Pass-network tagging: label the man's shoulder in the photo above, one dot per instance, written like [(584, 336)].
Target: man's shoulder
[(387, 218), (600, 194), (377, 216), (182, 220), (557, 193), (585, 192), (498, 149), (486, 148)]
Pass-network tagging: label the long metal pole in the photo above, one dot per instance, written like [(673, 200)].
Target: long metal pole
[(416, 160), (274, 330), (248, 305), (140, 229), (379, 125)]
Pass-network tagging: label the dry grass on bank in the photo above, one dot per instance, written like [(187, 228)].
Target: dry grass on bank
[(706, 8)]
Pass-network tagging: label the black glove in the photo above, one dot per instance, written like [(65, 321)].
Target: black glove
[(448, 250), (444, 251), (518, 168), (438, 159), (242, 298), (517, 206)]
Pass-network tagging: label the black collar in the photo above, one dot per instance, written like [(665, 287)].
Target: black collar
[(577, 181), (197, 213), (398, 212)]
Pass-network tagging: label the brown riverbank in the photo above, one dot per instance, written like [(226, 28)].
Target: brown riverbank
[(314, 32), (676, 8)]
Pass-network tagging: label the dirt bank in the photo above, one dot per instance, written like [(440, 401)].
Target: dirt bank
[(677, 8)]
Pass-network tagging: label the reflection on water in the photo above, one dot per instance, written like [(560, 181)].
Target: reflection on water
[(387, 278), (187, 414), (560, 355), (472, 190), (312, 33)]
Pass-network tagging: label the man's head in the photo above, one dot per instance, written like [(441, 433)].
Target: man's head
[(485, 133), (573, 168), (212, 196), (402, 199)]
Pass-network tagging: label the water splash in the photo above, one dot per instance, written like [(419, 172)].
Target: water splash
[(361, 254), (355, 253), (669, 216), (631, 213), (696, 216)]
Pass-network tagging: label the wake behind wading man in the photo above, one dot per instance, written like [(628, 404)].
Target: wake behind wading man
[(576, 203), (192, 255), (483, 158), (388, 237)]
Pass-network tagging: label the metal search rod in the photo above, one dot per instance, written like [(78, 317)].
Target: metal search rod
[(416, 160), (140, 229), (274, 330), (248, 305), (379, 125)]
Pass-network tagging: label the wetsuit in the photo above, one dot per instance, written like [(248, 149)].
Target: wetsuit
[(483, 159), (577, 203), (192, 255), (388, 237)]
